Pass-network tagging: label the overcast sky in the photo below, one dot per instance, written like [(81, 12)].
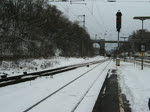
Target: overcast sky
[(101, 16)]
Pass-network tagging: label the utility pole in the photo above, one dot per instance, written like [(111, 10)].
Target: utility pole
[(82, 46), (83, 20)]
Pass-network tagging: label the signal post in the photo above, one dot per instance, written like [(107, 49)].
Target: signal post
[(118, 27)]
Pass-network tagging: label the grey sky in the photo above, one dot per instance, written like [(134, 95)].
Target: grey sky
[(101, 16)]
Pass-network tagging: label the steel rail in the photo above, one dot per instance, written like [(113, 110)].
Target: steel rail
[(79, 102), (53, 93)]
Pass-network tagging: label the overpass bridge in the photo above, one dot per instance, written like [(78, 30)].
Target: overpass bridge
[(102, 43), (108, 41)]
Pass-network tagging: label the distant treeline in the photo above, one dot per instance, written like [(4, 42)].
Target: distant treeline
[(138, 35), (34, 29), (135, 40)]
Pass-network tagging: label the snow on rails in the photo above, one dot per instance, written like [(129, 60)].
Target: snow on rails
[(67, 97)]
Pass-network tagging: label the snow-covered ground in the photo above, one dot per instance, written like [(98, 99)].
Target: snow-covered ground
[(18, 67), (135, 83), (17, 98)]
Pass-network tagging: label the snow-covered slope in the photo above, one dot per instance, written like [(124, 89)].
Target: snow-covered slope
[(18, 67)]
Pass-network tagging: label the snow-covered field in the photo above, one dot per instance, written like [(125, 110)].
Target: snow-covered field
[(17, 98), (135, 83)]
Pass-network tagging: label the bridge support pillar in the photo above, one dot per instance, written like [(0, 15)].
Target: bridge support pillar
[(102, 48)]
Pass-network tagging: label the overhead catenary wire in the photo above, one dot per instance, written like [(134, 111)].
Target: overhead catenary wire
[(100, 16), (93, 16), (121, 1), (129, 1), (111, 6), (77, 16), (111, 9), (104, 24), (70, 9)]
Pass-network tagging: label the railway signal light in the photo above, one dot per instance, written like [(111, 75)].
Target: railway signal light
[(118, 27), (118, 21)]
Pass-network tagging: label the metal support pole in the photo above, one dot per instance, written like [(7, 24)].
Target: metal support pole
[(124, 49), (117, 59), (142, 57), (104, 50), (142, 18), (118, 46), (82, 48), (1, 53), (82, 40), (83, 37), (95, 44), (142, 62), (84, 21)]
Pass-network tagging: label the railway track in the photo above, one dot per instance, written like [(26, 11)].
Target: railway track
[(32, 76), (78, 80)]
